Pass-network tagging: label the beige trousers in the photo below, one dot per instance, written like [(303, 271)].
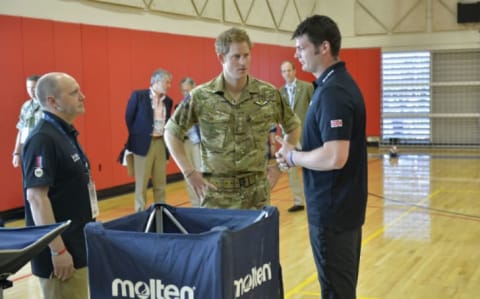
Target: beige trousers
[(153, 166), (296, 185), (74, 288), (193, 154)]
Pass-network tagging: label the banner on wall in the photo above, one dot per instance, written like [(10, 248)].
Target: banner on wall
[(186, 253)]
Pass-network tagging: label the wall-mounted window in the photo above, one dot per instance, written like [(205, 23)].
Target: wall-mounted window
[(406, 98), (431, 98)]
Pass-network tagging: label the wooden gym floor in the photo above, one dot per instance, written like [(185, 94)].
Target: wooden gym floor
[(421, 239)]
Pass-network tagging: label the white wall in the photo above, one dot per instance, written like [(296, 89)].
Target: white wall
[(390, 24)]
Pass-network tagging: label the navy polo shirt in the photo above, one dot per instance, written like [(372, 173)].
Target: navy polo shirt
[(52, 157), (336, 198)]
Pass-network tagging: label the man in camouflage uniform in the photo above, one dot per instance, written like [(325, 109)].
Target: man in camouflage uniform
[(30, 115), (235, 113)]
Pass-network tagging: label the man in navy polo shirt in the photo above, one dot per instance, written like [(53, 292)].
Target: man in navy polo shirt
[(58, 187), (333, 158)]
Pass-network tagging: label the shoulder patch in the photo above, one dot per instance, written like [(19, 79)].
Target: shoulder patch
[(38, 170), (336, 123)]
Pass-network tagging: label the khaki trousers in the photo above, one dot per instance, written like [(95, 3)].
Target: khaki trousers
[(74, 288), (296, 185), (193, 154), (253, 197), (154, 166)]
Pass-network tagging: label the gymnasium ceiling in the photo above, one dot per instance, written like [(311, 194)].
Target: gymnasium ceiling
[(370, 17)]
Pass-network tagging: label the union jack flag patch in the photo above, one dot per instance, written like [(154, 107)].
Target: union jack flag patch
[(336, 123)]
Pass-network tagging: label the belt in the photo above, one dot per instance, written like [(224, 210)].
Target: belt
[(157, 137), (234, 182)]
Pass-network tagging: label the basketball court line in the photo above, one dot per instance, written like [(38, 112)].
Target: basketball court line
[(433, 210), (312, 278)]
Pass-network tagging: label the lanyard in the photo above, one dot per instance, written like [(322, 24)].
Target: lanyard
[(73, 141), (327, 76)]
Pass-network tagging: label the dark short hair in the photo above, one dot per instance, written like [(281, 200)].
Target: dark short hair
[(188, 80), (318, 29), (33, 77)]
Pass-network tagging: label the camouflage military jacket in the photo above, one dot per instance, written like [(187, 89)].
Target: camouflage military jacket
[(30, 114), (234, 134)]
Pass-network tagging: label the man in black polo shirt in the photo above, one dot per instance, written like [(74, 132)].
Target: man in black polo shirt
[(58, 187), (334, 158)]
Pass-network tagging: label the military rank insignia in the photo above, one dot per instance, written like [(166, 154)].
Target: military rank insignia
[(261, 102)]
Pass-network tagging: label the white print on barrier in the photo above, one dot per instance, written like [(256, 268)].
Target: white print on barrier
[(153, 289), (255, 278)]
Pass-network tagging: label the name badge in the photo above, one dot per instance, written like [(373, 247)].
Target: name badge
[(93, 199)]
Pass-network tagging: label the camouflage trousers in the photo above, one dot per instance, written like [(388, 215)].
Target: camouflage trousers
[(250, 192)]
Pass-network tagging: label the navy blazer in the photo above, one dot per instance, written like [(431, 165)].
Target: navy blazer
[(139, 119)]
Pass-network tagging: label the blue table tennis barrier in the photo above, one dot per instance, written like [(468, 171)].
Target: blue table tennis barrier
[(170, 252), (19, 245)]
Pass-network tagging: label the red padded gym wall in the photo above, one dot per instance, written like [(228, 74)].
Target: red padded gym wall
[(365, 67), (12, 93), (111, 62), (119, 86), (98, 140), (26, 49)]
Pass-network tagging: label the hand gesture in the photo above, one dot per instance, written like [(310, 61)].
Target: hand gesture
[(282, 154)]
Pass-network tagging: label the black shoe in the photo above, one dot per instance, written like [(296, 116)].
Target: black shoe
[(296, 208)]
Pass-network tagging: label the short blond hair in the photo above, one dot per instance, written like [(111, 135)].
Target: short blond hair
[(232, 35)]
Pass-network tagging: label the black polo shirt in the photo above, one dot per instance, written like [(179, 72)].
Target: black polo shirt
[(52, 157), (336, 198)]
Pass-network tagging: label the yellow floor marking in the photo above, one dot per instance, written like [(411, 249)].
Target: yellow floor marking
[(313, 277)]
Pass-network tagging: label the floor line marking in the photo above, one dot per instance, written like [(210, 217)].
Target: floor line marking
[(397, 219), (297, 289)]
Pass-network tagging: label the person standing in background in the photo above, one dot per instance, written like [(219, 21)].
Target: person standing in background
[(30, 115), (191, 141), (235, 113), (58, 186), (298, 94), (147, 112), (333, 158)]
